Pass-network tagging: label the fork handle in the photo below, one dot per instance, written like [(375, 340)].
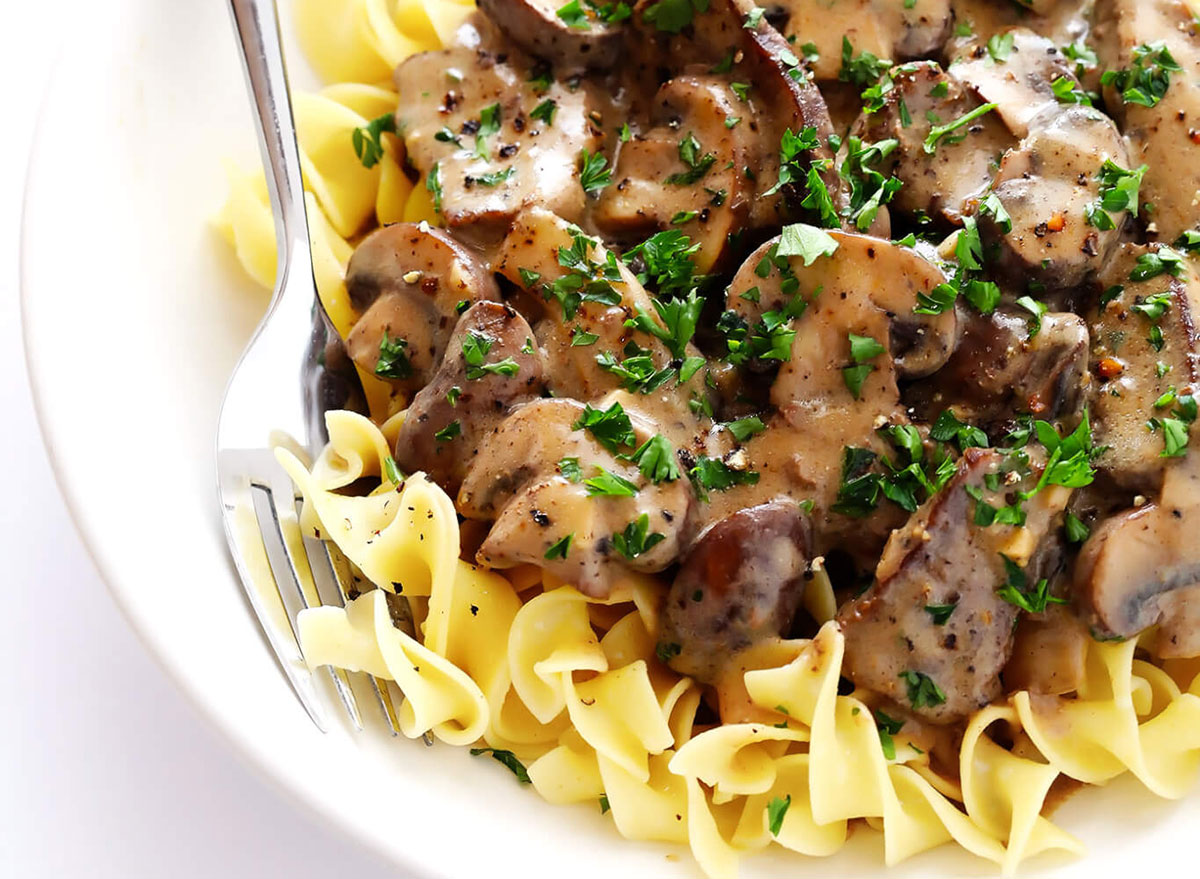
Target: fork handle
[(257, 25)]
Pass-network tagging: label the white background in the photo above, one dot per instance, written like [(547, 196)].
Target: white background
[(105, 770)]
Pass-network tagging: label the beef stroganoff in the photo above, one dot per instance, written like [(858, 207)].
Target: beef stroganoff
[(764, 421)]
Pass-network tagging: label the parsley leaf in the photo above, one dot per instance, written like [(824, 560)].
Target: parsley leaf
[(474, 349), (888, 727), (453, 430), (1147, 81), (656, 459), (679, 318), (938, 132), (1016, 589), (744, 428), (636, 540), (940, 613), (560, 548), (608, 484), (593, 173), (807, 242), (776, 810), (610, 427), (508, 758), (393, 359), (922, 691), (862, 69), (368, 140), (672, 16), (713, 474)]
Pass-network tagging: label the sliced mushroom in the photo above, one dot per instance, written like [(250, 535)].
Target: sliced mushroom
[(578, 336), (1018, 80), (867, 287), (454, 98), (741, 583), (1165, 137), (886, 29), (1142, 568), (536, 26), (773, 93), (934, 612), (1047, 186), (490, 365), (944, 178), (688, 172), (1001, 367), (410, 281), (546, 515), (1135, 367)]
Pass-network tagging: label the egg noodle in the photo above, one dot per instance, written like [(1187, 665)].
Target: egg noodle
[(571, 684)]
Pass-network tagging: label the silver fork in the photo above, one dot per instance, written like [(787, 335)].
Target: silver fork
[(281, 570)]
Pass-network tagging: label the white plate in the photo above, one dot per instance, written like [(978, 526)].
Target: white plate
[(134, 315)]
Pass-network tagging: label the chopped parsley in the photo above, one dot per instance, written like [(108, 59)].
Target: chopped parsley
[(923, 692), (393, 359), (570, 470), (679, 318), (1164, 261), (453, 430), (697, 165), (777, 808), (947, 428), (744, 428), (938, 132), (862, 350), (940, 613), (1118, 192), (594, 174), (1016, 589), (807, 242), (862, 69), (573, 16), (560, 548), (672, 16), (610, 427), (637, 539), (869, 189), (793, 164), (608, 484), (433, 184), (368, 140), (1147, 81), (656, 459), (545, 111), (637, 369), (888, 727), (713, 474), (665, 259), (392, 471), (508, 758), (475, 348), (1077, 531)]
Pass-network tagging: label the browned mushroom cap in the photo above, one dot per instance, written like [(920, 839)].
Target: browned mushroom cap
[(951, 176), (469, 114), (1047, 186), (409, 281), (490, 365), (888, 30), (777, 96), (1134, 366), (1142, 568), (934, 610), (688, 172), (1019, 81), (546, 514), (1165, 137), (1001, 366), (536, 27), (741, 583), (867, 287)]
